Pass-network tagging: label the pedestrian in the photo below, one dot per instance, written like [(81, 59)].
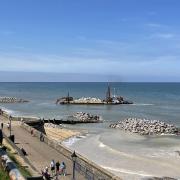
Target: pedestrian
[(46, 174), (2, 126), (57, 168), (41, 137), (1, 137), (32, 132), (8, 125), (63, 168), (52, 166)]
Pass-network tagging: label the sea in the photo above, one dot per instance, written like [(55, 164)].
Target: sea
[(127, 155)]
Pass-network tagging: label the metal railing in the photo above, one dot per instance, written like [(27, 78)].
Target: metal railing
[(87, 173)]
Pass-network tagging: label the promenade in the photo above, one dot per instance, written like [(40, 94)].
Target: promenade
[(39, 153)]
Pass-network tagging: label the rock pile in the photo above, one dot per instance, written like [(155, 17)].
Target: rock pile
[(146, 127), (87, 100), (11, 100), (86, 117)]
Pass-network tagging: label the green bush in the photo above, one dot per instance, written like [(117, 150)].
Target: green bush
[(3, 174)]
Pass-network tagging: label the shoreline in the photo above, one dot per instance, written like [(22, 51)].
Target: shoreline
[(61, 133)]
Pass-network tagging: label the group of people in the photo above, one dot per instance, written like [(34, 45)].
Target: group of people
[(56, 170)]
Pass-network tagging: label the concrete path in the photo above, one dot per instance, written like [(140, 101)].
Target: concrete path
[(39, 153)]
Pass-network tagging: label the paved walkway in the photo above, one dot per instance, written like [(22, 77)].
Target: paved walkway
[(39, 153)]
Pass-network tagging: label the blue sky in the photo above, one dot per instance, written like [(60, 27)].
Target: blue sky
[(130, 40)]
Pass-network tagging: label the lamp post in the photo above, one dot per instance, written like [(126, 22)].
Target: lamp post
[(10, 118), (74, 157)]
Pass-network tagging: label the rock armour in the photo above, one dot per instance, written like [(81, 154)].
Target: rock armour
[(146, 127), (86, 117), (11, 100)]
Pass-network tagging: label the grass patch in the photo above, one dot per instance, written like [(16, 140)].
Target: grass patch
[(4, 175)]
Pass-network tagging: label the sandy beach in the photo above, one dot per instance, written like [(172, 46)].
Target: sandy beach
[(59, 133)]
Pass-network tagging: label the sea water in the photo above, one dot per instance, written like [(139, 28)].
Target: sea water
[(128, 155)]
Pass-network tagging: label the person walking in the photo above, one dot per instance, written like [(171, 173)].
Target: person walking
[(8, 125), (46, 174), (41, 137), (57, 169), (52, 166), (1, 137), (2, 126), (63, 168)]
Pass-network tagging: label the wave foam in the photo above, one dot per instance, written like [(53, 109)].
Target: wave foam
[(136, 104), (140, 173), (69, 142), (9, 111)]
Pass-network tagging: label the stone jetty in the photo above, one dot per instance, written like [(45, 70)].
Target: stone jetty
[(146, 127), (12, 100), (85, 117)]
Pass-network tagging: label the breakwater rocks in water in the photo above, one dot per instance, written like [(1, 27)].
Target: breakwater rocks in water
[(82, 100), (88, 100), (146, 127), (12, 100), (92, 101), (85, 117)]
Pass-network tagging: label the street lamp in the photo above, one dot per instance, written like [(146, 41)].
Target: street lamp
[(10, 118), (74, 157)]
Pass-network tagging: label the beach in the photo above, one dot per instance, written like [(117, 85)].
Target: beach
[(59, 133), (134, 157)]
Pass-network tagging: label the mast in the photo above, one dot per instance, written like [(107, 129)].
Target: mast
[(108, 94), (68, 97)]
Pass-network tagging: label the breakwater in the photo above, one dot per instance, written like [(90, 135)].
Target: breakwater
[(146, 127), (92, 101), (12, 100), (84, 117)]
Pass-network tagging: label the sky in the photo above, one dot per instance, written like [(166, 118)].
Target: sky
[(90, 40)]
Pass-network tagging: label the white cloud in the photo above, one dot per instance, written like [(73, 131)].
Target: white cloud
[(163, 35), (154, 25)]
